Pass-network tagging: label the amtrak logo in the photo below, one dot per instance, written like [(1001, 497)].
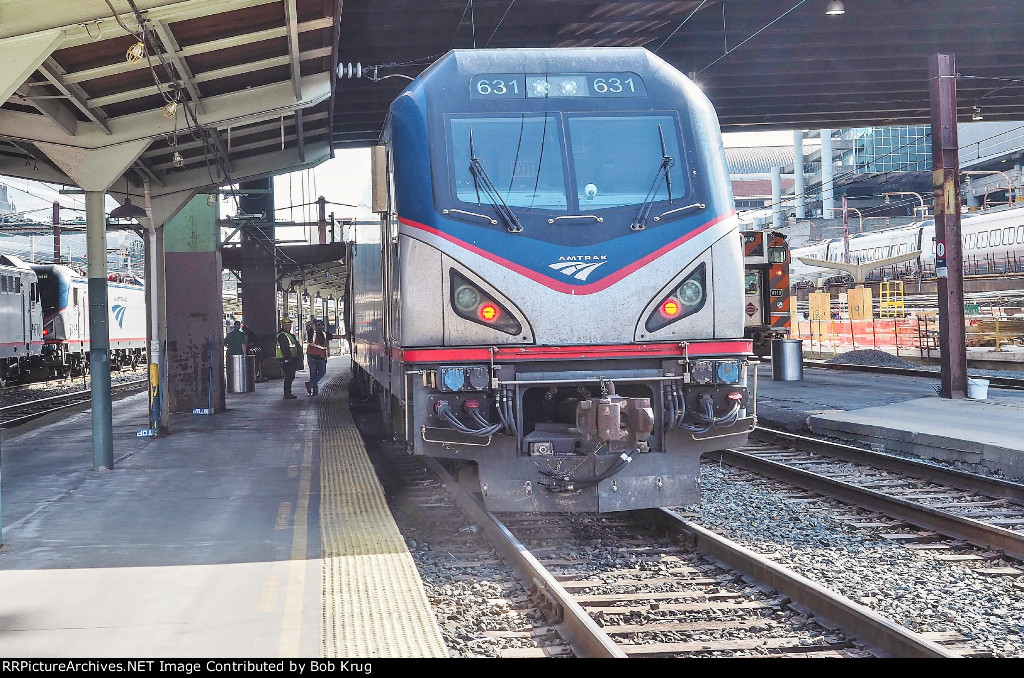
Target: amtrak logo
[(579, 267), (118, 311)]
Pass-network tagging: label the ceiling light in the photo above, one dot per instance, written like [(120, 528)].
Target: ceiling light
[(170, 109), (976, 115), (211, 200), (835, 7), (127, 210)]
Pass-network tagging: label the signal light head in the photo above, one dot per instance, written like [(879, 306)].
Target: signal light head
[(670, 308)]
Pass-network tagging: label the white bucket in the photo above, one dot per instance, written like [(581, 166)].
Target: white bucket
[(977, 389)]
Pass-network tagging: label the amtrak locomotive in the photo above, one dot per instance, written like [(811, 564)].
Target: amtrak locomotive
[(553, 301), (65, 305)]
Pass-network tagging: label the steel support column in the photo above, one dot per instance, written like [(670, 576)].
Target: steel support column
[(798, 174), (99, 332), (949, 267)]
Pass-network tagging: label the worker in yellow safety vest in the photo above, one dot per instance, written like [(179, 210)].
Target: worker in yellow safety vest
[(289, 353)]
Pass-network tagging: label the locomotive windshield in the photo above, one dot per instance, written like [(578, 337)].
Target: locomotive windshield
[(615, 161), (521, 155)]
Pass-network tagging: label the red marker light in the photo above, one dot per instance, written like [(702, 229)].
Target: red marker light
[(489, 312), (45, 332), (670, 308)]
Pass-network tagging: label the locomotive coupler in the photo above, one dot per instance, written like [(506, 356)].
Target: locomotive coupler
[(621, 423)]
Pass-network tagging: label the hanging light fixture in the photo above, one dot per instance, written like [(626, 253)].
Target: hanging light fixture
[(127, 210), (136, 52), (976, 115), (177, 159), (170, 109), (305, 296), (318, 295), (835, 8)]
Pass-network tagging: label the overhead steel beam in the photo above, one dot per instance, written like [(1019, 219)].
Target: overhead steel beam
[(55, 110), (255, 167), (171, 48), (239, 133), (228, 72), (253, 105), (78, 20), (291, 20), (53, 72), (199, 48)]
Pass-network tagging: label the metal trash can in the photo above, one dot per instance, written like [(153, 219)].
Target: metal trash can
[(241, 374), (787, 360)]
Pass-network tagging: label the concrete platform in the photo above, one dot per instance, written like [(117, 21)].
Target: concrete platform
[(900, 413), (231, 537)]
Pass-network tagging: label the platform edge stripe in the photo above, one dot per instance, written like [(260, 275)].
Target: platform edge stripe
[(374, 601)]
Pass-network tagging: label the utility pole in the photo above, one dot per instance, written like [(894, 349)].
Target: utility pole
[(846, 232)]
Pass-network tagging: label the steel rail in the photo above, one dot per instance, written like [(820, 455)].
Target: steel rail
[(994, 487), (972, 531), (584, 636), (76, 398), (885, 636)]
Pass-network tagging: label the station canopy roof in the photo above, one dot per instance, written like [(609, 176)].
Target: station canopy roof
[(765, 64), (258, 92)]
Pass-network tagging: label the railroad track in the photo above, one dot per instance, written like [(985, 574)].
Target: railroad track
[(641, 584), (967, 508), (652, 584), (15, 415)]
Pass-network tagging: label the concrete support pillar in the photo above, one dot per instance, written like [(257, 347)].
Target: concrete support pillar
[(798, 173), (195, 313), (99, 332), (777, 198), (827, 178)]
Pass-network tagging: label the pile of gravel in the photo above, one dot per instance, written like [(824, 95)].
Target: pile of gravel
[(869, 356)]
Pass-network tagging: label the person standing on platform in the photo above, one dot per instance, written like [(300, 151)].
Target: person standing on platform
[(288, 353), (236, 341), (317, 337)]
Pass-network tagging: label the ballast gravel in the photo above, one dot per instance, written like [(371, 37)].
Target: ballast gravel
[(910, 587)]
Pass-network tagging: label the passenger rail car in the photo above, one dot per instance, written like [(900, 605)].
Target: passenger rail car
[(992, 244), (65, 303), (553, 301), (21, 323)]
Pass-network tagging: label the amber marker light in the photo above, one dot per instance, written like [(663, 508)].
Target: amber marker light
[(489, 312), (670, 308)]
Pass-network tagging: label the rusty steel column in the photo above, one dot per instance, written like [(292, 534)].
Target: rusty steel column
[(949, 269)]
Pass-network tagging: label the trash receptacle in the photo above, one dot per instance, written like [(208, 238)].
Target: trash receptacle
[(787, 360), (241, 374)]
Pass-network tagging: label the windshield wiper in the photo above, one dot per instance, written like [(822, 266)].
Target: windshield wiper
[(667, 161), (480, 179)]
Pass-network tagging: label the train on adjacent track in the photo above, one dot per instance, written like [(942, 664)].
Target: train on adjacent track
[(552, 302), (992, 243), (44, 326), (21, 320)]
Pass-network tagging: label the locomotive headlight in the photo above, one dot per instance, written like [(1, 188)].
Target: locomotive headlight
[(686, 298), (473, 304), (466, 298), (691, 292)]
